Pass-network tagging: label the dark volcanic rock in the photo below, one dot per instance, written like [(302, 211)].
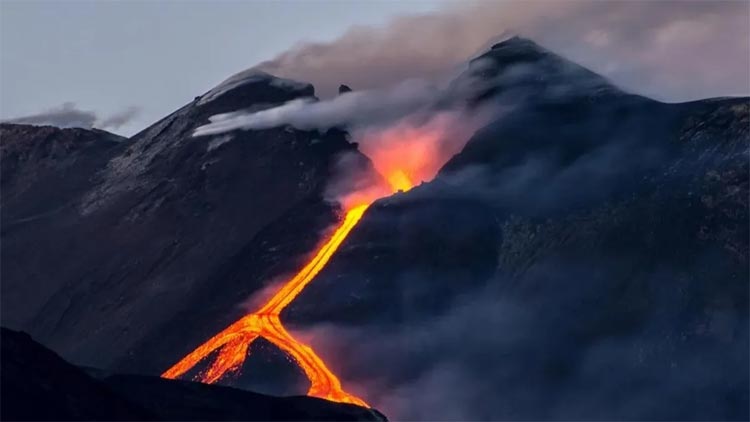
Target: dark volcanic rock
[(43, 168), (343, 89), (521, 70), (185, 400), (39, 385), (585, 256), (147, 260)]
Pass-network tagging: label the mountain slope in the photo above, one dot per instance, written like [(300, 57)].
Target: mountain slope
[(45, 170), (39, 385), (585, 256), (45, 167), (140, 254)]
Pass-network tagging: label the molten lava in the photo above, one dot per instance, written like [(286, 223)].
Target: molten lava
[(406, 154), (234, 341)]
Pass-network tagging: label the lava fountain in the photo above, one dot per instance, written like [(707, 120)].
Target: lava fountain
[(401, 154)]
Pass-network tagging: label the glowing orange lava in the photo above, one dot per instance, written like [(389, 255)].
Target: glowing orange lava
[(234, 341), (404, 154), (399, 181)]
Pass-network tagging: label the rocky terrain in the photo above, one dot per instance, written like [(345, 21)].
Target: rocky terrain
[(39, 385), (138, 236), (585, 256)]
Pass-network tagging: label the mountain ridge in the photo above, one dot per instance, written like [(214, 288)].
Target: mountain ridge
[(39, 385)]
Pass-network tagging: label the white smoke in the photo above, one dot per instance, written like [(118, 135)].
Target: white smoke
[(354, 109)]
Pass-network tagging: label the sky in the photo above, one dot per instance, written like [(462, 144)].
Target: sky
[(123, 65), (155, 55)]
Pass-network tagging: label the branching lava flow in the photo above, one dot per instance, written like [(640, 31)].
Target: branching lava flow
[(399, 164), (234, 341)]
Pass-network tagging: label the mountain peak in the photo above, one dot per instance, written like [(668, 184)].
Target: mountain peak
[(522, 66), (516, 42), (250, 82)]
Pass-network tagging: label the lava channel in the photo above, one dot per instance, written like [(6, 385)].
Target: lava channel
[(234, 341)]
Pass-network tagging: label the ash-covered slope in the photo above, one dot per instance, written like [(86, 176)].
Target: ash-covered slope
[(132, 276), (39, 385), (45, 172), (584, 257), (43, 168)]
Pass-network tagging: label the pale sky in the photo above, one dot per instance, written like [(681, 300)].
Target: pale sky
[(106, 56), (157, 55)]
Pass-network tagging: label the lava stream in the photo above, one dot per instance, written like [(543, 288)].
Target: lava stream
[(233, 342)]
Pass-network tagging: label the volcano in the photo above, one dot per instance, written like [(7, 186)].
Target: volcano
[(584, 252)]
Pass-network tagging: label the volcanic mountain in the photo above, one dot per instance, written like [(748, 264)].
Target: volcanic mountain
[(584, 256), (144, 237)]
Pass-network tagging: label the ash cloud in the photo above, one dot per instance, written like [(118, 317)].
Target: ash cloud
[(70, 115), (671, 50)]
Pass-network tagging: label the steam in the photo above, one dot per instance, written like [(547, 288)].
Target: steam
[(69, 115), (407, 131), (650, 48), (353, 109)]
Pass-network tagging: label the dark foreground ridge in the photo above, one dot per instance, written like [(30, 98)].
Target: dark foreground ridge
[(37, 384)]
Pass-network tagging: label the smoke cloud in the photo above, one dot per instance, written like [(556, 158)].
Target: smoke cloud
[(69, 115), (407, 131), (354, 109), (671, 50)]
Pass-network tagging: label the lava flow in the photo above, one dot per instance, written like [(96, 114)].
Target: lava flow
[(234, 341), (407, 154)]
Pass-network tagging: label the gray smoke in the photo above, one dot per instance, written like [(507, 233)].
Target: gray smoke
[(671, 50), (353, 109)]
